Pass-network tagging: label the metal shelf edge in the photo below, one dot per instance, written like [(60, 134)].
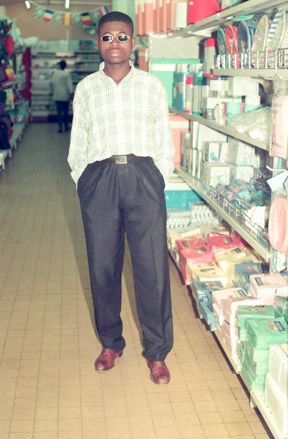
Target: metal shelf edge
[(233, 223)]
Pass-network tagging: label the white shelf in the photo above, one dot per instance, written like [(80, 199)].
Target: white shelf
[(259, 401), (214, 21), (270, 74), (195, 185), (225, 129)]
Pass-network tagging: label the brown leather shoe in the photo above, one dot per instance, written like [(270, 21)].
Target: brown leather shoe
[(159, 372), (106, 359)]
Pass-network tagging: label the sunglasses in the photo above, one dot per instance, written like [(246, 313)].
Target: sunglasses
[(121, 38)]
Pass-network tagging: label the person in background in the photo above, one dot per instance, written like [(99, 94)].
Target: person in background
[(120, 153), (62, 89)]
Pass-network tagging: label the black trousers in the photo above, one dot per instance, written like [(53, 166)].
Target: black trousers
[(62, 108), (117, 199)]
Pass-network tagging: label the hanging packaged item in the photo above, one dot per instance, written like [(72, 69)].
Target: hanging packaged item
[(278, 224), (199, 9)]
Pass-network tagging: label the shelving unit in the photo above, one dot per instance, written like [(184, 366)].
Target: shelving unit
[(214, 21), (197, 187), (80, 63), (188, 37), (225, 129), (15, 95)]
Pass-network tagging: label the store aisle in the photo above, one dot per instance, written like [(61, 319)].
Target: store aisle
[(48, 386)]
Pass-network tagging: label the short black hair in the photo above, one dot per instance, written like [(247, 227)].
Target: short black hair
[(116, 16), (62, 64)]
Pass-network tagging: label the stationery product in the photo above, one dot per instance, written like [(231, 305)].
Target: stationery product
[(231, 37), (227, 259), (278, 365), (206, 312), (244, 173), (207, 272), (261, 34), (276, 400), (277, 30), (209, 54), (244, 270), (221, 41), (216, 173), (281, 305), (263, 333), (265, 286)]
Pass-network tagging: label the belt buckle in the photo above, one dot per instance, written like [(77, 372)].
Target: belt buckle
[(120, 159)]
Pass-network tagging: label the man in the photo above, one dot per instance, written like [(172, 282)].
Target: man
[(119, 152), (62, 89)]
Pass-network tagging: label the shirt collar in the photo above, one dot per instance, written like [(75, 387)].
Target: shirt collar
[(131, 71)]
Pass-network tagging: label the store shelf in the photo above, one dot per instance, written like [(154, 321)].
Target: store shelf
[(195, 185), (80, 63), (258, 400), (225, 130), (214, 21), (270, 74)]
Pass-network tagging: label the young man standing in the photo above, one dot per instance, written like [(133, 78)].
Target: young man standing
[(120, 151)]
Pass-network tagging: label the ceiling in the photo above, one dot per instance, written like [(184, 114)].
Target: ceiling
[(47, 2)]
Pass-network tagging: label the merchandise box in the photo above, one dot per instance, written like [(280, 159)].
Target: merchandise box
[(164, 70)]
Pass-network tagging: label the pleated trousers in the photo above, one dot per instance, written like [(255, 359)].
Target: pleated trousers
[(128, 199)]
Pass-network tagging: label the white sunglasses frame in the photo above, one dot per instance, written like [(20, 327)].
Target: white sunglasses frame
[(115, 38)]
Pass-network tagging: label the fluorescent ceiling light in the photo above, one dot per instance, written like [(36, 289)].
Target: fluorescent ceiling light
[(67, 4), (27, 4)]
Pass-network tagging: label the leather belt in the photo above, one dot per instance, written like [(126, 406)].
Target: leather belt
[(120, 159)]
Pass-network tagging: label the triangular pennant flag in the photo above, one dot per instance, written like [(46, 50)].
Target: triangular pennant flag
[(86, 18), (48, 15), (38, 12), (57, 17), (76, 20), (102, 11)]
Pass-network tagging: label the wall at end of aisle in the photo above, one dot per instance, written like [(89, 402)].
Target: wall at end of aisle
[(2, 11)]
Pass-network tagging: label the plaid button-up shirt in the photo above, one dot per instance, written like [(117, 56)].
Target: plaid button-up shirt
[(129, 118)]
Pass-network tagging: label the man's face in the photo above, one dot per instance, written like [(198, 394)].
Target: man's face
[(115, 51)]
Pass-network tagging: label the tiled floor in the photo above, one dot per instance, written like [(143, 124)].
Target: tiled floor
[(48, 386)]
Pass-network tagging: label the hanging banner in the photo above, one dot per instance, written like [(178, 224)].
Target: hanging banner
[(88, 20), (48, 15)]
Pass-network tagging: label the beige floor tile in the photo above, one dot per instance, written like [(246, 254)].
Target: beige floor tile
[(236, 428), (210, 418), (164, 420), (168, 432), (46, 413), (48, 385), (192, 431), (20, 435), (143, 433), (45, 435), (215, 430), (46, 425), (70, 434)]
